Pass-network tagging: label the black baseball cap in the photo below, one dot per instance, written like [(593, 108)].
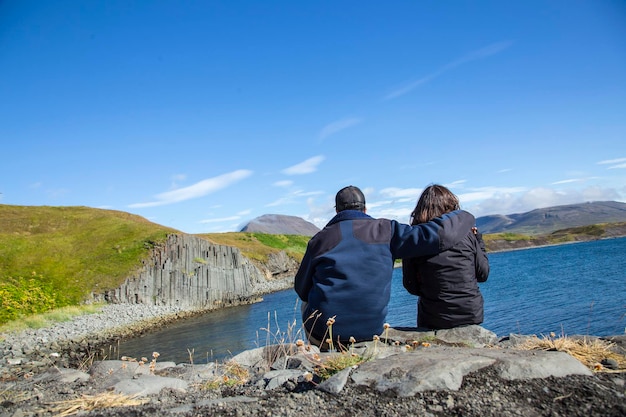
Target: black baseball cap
[(350, 198)]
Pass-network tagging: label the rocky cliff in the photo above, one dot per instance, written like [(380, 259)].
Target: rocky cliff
[(188, 271)]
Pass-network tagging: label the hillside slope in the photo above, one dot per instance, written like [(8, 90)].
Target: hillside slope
[(75, 250), (280, 224), (550, 219), (496, 242), (52, 257)]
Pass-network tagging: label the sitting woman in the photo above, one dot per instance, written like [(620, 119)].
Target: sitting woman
[(447, 283)]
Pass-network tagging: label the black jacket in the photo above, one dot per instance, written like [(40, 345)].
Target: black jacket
[(347, 268), (447, 284)]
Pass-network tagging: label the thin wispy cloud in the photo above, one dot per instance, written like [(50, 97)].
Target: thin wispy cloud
[(489, 192), (285, 183), (338, 126), (293, 197), (618, 163), (567, 181), (618, 166), (176, 179), (457, 183), (612, 161), (305, 167), (472, 56), (219, 220), (509, 203), (199, 189), (395, 193)]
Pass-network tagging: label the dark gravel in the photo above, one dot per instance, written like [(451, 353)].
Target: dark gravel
[(481, 394)]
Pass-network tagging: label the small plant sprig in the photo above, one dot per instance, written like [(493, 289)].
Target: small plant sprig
[(352, 342), (153, 362), (375, 338), (329, 324)]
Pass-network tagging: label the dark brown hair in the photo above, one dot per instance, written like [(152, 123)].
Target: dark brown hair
[(435, 201)]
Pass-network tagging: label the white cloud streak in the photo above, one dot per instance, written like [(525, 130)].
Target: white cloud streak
[(472, 56), (509, 203), (617, 163), (199, 189), (285, 183), (618, 166), (567, 181), (305, 167), (292, 198), (402, 193), (612, 161), (338, 126), (223, 219), (488, 192)]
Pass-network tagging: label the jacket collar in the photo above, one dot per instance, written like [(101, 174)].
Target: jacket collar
[(348, 215)]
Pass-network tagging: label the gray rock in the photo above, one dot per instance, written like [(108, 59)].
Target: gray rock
[(63, 375), (445, 367), (473, 336), (275, 379), (407, 374), (527, 364), (335, 383), (610, 364), (143, 385)]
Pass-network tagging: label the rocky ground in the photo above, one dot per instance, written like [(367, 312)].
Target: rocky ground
[(37, 380), (481, 394)]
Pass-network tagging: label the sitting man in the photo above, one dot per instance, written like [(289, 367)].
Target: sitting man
[(344, 279)]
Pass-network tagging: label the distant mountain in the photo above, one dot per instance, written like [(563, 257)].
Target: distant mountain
[(549, 219), (279, 224)]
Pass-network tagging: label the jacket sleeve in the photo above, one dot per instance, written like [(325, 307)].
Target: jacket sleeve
[(303, 281), (481, 260), (431, 238), (410, 276)]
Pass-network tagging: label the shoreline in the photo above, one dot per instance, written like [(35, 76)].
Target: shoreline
[(554, 244), (88, 335)]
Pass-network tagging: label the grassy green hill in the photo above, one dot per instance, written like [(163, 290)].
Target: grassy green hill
[(56, 256), (507, 241), (257, 246)]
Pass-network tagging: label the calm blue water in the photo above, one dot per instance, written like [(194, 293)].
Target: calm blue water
[(568, 289)]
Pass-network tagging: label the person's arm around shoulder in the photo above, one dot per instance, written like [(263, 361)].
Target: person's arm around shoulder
[(481, 260), (454, 227), (433, 237)]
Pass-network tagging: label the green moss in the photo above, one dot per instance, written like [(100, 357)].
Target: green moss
[(62, 254), (258, 246)]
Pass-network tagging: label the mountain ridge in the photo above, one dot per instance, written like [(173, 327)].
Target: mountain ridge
[(535, 222), (550, 219), (280, 224)]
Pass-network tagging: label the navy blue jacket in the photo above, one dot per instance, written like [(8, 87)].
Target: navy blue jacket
[(347, 268), (447, 284)]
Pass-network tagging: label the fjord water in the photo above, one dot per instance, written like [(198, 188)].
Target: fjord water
[(567, 289)]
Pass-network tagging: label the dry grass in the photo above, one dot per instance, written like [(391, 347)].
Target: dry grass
[(233, 374), (92, 402), (336, 363), (589, 351)]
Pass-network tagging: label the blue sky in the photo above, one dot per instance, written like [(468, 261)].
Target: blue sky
[(202, 115)]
